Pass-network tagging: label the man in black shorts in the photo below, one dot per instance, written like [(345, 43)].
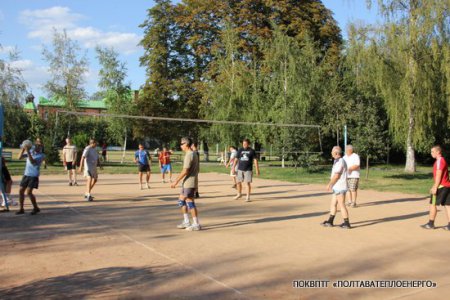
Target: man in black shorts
[(440, 191), (143, 159), (246, 156), (70, 161)]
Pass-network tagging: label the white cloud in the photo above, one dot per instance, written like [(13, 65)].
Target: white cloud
[(42, 21), (7, 49)]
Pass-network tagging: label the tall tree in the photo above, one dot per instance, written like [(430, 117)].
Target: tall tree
[(67, 67), (410, 52)]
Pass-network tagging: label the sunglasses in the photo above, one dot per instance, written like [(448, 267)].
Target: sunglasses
[(182, 144)]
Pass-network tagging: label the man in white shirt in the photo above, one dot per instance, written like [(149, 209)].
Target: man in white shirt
[(353, 163), (70, 161), (338, 184)]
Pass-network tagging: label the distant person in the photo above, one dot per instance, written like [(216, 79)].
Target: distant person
[(189, 176), (194, 148), (246, 157), (206, 151), (90, 160), (440, 191), (39, 142), (104, 151), (30, 179), (143, 159), (232, 162), (7, 184), (353, 166), (338, 184), (70, 161), (165, 164)]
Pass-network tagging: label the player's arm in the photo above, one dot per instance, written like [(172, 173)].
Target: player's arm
[(21, 156), (437, 182), (32, 160), (75, 156), (354, 168), (256, 166), (81, 163), (333, 180), (180, 177)]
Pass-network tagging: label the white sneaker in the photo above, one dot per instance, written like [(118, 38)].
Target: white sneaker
[(195, 227), (148, 186), (237, 197), (184, 225), (247, 199)]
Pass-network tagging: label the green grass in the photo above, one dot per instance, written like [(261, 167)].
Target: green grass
[(382, 178)]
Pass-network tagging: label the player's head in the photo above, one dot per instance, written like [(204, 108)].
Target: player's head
[(141, 146), (37, 147), (185, 143), (164, 149), (348, 149), (246, 143), (232, 148), (68, 140), (436, 151), (336, 152), (194, 146), (93, 143)]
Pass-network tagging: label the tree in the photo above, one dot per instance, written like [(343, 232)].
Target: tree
[(410, 59), (67, 67)]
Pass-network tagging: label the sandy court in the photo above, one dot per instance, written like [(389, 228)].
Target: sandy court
[(126, 245)]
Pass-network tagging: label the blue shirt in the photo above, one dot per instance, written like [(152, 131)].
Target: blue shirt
[(142, 156), (33, 170)]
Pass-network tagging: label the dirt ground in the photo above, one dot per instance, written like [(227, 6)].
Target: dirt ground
[(125, 244)]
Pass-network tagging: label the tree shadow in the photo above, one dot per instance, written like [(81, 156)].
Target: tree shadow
[(388, 219), (410, 176), (392, 201)]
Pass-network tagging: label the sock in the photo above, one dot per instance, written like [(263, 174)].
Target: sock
[(331, 219), (195, 220), (431, 222), (346, 221), (186, 218)]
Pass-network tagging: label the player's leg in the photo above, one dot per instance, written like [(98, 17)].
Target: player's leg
[(148, 178), (21, 197), (140, 179), (74, 171), (248, 180), (183, 206), (240, 179), (32, 197), (170, 172), (333, 209), (341, 201), (193, 210), (434, 201)]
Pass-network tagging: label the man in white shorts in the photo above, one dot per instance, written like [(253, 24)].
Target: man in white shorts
[(353, 163), (338, 184), (90, 160), (70, 161)]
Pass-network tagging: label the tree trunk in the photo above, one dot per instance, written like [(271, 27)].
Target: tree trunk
[(410, 166), (367, 167)]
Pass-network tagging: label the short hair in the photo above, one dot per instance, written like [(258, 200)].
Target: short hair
[(91, 141), (195, 144), (337, 149), (186, 140), (141, 144), (349, 147), (438, 148), (246, 140), (233, 147)]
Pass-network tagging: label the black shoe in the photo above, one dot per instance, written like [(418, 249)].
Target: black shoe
[(345, 225), (427, 226), (70, 183), (35, 211), (447, 227), (90, 198), (75, 183), (197, 195), (20, 212), (327, 224)]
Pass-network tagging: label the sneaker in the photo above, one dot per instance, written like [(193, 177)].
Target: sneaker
[(70, 183), (353, 205), (326, 224), (348, 203), (184, 225), (447, 227), (35, 211), (237, 196), (233, 186), (247, 199), (427, 226), (345, 225), (148, 186), (90, 198), (196, 227), (75, 183), (20, 212), (197, 195)]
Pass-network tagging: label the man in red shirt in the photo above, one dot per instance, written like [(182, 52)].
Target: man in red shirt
[(440, 191), (165, 164)]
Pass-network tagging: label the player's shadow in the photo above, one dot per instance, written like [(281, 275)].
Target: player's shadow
[(410, 176), (373, 203), (388, 219), (82, 284), (265, 220)]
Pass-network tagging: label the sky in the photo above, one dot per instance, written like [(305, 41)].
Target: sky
[(27, 26)]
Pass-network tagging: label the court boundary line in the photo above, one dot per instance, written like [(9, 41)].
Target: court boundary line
[(149, 248)]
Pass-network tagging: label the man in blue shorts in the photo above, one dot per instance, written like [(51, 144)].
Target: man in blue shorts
[(143, 159), (165, 164)]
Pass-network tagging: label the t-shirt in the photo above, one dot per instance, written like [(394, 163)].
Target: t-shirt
[(34, 170), (91, 158), (233, 154), (142, 156), (164, 157), (246, 157), (191, 163), (441, 164), (69, 152), (352, 160), (340, 167)]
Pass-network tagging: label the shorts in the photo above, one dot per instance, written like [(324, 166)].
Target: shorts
[(70, 166), (339, 192), (30, 182), (91, 173), (244, 176), (353, 184), (6, 174), (442, 197), (144, 168), (188, 192), (166, 168)]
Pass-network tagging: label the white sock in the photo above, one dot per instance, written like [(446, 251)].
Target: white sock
[(195, 220), (186, 218)]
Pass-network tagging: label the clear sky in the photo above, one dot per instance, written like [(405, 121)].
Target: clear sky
[(27, 25)]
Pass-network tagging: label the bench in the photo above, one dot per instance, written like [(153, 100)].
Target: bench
[(7, 155)]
